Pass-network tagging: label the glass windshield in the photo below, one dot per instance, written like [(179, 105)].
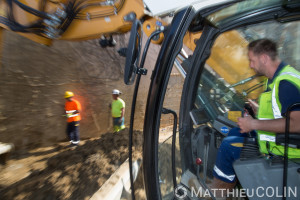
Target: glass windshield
[(227, 81), (240, 8)]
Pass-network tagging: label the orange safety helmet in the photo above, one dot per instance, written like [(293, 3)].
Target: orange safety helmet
[(69, 94)]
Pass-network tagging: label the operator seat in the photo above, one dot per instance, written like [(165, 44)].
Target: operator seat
[(262, 176)]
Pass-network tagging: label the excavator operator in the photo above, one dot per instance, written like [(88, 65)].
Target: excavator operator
[(282, 89)]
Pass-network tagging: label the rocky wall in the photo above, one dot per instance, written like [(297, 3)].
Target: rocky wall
[(34, 77)]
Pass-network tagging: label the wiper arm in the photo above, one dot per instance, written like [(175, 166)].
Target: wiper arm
[(243, 81)]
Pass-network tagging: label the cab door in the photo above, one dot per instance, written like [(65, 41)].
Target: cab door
[(215, 83)]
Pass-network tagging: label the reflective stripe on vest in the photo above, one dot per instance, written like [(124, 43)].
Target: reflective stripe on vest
[(275, 107), (268, 138), (74, 115), (71, 111)]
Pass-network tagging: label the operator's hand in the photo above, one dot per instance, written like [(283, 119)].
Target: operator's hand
[(246, 124)]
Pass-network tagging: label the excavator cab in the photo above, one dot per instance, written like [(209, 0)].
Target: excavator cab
[(204, 54)]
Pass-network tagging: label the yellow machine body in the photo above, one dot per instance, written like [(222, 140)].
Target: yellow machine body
[(228, 58), (152, 24), (95, 18)]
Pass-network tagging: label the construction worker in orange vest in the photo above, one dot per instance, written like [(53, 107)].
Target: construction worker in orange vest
[(72, 108)]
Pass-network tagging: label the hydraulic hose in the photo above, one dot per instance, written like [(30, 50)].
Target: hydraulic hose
[(32, 11), (99, 14), (72, 9), (15, 26)]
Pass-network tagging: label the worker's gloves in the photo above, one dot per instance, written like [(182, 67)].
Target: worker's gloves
[(68, 115)]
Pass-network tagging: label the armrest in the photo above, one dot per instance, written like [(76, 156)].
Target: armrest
[(294, 140)]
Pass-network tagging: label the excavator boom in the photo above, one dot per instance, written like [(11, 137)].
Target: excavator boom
[(44, 21)]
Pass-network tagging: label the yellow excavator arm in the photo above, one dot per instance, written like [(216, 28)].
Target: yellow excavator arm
[(45, 20)]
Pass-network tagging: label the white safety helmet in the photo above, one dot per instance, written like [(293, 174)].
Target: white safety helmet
[(115, 91)]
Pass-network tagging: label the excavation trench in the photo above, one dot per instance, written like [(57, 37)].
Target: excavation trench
[(59, 172)]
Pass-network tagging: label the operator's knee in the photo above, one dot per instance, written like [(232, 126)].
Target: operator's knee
[(226, 143)]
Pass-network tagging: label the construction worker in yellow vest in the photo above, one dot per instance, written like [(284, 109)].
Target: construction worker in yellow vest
[(117, 111), (282, 90)]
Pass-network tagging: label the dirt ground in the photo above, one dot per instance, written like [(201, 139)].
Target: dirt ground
[(59, 172)]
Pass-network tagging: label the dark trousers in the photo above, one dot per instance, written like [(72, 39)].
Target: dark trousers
[(73, 131), (229, 152), (118, 124)]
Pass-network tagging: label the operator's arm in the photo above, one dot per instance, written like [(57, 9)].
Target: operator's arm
[(288, 95), (122, 112), (248, 124)]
